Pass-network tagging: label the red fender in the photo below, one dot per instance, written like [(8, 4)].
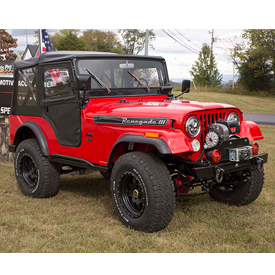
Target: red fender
[(250, 130), (177, 141)]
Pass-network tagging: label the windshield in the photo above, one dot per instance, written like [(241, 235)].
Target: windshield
[(114, 73)]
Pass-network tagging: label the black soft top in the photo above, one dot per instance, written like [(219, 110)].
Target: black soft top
[(67, 55)]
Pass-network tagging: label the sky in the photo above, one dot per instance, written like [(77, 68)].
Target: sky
[(190, 22), (180, 56)]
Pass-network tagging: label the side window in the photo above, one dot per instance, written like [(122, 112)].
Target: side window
[(27, 94), (57, 82)]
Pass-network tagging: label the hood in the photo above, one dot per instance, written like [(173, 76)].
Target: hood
[(165, 109), (168, 108)]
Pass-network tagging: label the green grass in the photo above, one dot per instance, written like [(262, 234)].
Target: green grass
[(247, 104), (82, 218)]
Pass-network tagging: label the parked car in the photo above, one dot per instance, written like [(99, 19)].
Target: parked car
[(117, 114)]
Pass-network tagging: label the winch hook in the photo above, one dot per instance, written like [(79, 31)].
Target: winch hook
[(260, 163), (219, 174)]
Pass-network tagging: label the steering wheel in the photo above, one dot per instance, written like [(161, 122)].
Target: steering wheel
[(143, 80)]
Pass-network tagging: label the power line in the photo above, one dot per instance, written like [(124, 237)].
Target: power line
[(179, 42), (183, 41), (197, 36), (187, 39), (194, 51)]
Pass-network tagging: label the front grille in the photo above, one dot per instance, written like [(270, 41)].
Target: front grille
[(207, 118)]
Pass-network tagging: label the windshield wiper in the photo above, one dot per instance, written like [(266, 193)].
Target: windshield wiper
[(139, 81), (102, 84)]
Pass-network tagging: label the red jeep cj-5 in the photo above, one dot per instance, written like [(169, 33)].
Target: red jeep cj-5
[(116, 114)]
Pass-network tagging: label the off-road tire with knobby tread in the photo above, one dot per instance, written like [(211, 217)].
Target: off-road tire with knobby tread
[(245, 192), (36, 176), (153, 184)]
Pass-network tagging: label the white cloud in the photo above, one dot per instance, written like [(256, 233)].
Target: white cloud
[(179, 59)]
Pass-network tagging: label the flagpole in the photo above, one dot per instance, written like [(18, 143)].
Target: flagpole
[(39, 37)]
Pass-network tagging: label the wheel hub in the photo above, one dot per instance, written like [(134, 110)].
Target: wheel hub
[(135, 193), (29, 171), (131, 194)]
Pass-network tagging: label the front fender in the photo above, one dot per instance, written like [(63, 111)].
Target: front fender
[(169, 142), (250, 130), (177, 141), (158, 143)]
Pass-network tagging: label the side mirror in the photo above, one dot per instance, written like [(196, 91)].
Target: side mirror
[(185, 86)]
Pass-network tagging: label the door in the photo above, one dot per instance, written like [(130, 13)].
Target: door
[(60, 105)]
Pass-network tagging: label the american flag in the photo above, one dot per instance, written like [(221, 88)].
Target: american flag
[(45, 41)]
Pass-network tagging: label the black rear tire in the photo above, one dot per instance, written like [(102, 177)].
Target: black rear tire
[(36, 176), (142, 192), (243, 193)]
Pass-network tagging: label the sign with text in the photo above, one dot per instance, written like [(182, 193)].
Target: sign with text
[(6, 84)]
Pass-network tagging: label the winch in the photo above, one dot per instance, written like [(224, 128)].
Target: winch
[(216, 135), (219, 132)]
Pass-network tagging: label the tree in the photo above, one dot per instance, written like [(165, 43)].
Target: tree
[(100, 41), (255, 77), (7, 42), (255, 59), (134, 40), (67, 40), (205, 71)]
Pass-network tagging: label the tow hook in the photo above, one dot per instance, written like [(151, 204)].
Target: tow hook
[(219, 174), (260, 163)]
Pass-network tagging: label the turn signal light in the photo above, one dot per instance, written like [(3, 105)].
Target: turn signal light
[(152, 135), (216, 156), (255, 148)]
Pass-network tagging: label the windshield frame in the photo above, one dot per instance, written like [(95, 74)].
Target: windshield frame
[(139, 90)]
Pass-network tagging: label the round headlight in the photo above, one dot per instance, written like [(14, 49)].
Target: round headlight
[(192, 126), (233, 116)]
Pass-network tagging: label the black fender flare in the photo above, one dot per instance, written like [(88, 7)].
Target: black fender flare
[(38, 133), (160, 144)]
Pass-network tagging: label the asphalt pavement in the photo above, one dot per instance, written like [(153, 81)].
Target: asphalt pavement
[(260, 118)]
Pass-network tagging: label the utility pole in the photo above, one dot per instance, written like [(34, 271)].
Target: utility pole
[(233, 76), (26, 36), (146, 42), (212, 41)]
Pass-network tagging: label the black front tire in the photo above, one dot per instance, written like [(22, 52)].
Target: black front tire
[(244, 192), (143, 192), (36, 176)]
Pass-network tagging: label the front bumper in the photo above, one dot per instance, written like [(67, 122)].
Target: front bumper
[(228, 167)]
